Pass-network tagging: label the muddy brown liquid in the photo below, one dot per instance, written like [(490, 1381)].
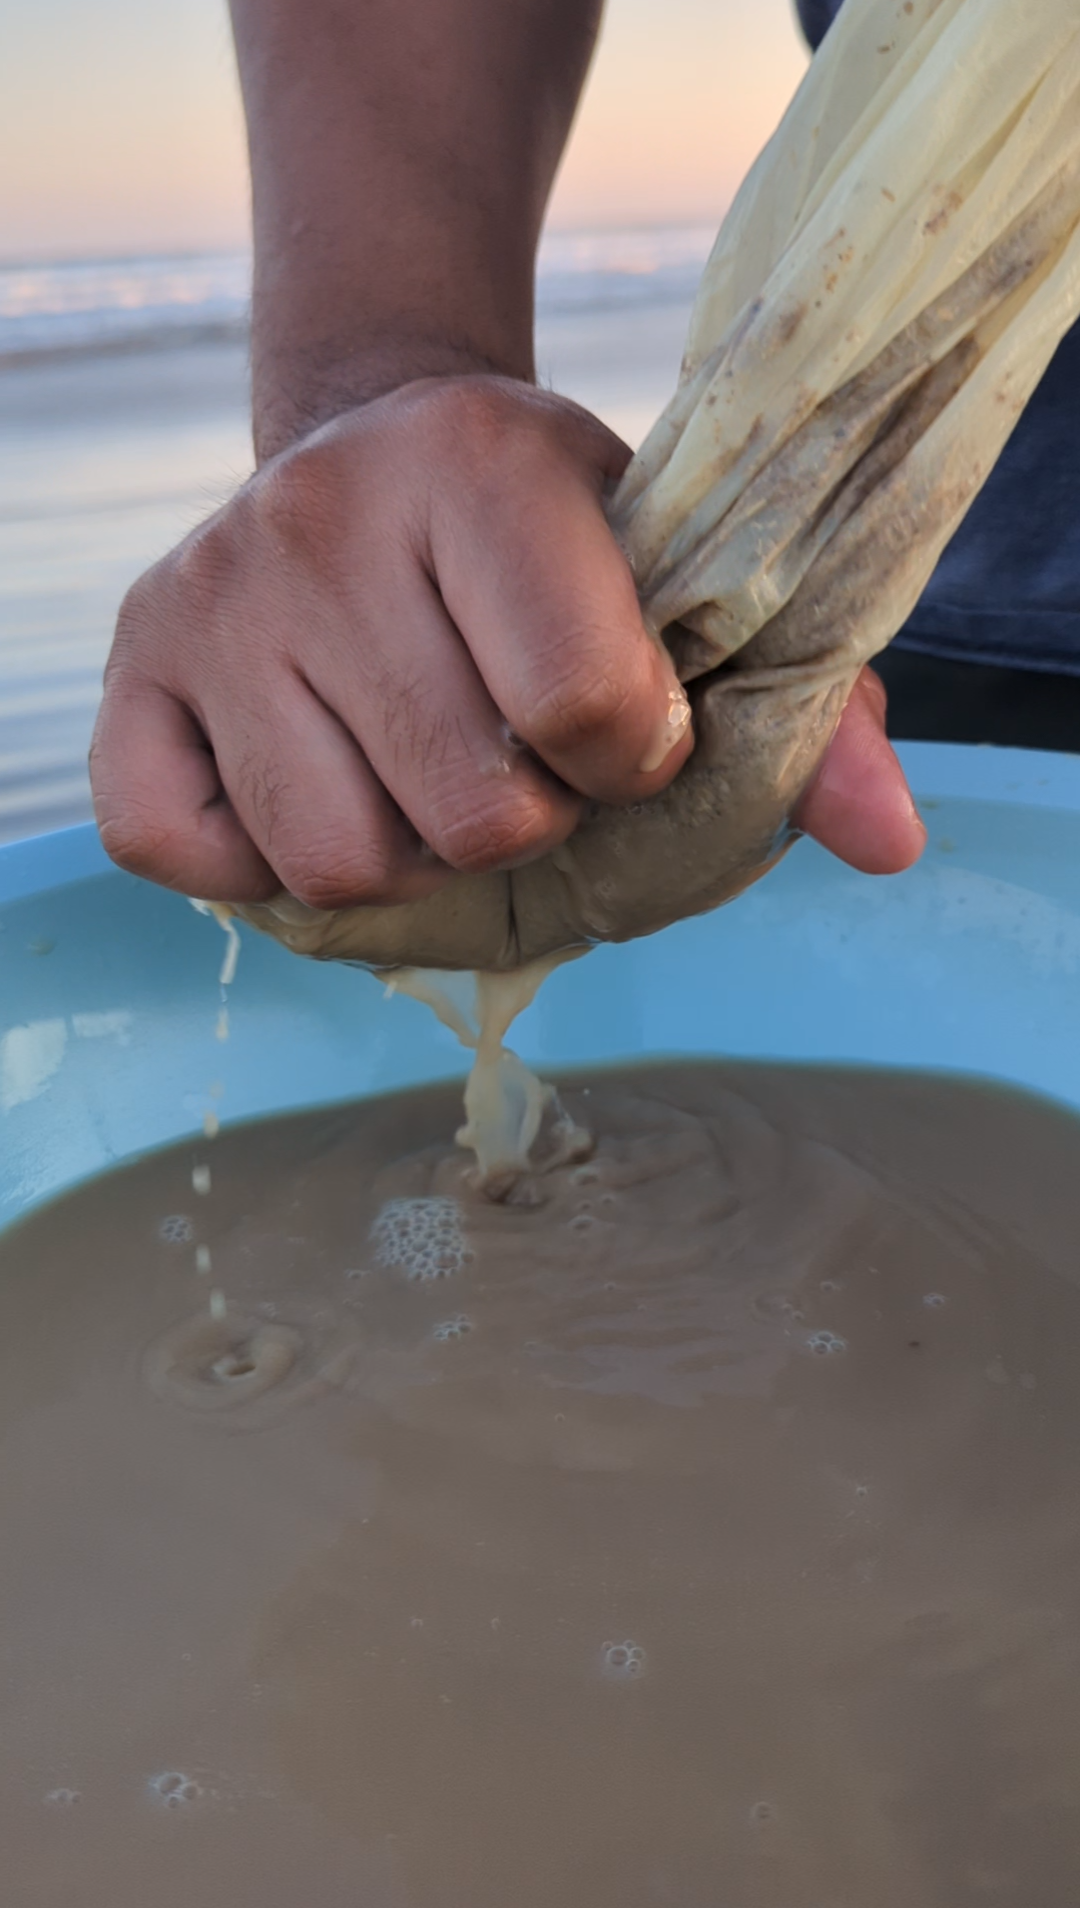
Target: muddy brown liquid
[(705, 1533)]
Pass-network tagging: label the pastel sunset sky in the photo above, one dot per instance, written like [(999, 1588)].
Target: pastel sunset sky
[(120, 127)]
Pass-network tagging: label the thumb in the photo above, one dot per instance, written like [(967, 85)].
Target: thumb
[(859, 805)]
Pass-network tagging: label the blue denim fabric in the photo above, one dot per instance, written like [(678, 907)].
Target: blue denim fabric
[(1007, 589)]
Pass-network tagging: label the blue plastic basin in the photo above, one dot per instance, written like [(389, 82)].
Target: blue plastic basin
[(969, 963)]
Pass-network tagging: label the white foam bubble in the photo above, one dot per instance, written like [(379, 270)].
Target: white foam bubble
[(622, 1662), (826, 1344), (63, 1798), (200, 1180), (934, 1300), (424, 1236), (177, 1229), (173, 1789), (458, 1327)]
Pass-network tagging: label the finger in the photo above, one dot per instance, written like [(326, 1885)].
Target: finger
[(413, 697), (160, 807), (860, 806), (314, 807), (532, 576)]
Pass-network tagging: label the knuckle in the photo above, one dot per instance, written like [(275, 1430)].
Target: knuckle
[(479, 837), (301, 504), (137, 601), (137, 840), (175, 607), (334, 874), (263, 790), (201, 567), (492, 425), (144, 608), (118, 682), (116, 724), (293, 487), (578, 704), (484, 418)]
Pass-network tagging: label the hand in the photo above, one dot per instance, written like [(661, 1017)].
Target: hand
[(859, 805), (409, 645)]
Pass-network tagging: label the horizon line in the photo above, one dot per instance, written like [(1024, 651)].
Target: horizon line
[(32, 261)]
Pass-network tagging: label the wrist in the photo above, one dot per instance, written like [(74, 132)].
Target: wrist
[(299, 385), (401, 161)]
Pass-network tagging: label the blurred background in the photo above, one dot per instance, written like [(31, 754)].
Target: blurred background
[(124, 267)]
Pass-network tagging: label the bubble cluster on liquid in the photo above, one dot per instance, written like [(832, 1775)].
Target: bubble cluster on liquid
[(63, 1798), (200, 1180), (934, 1300), (177, 1229), (826, 1344), (173, 1789), (448, 1328), (424, 1236), (622, 1662)]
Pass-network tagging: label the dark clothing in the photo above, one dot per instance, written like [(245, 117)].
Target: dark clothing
[(1007, 588), (932, 700), (816, 17)]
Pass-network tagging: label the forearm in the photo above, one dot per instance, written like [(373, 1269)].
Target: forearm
[(402, 154)]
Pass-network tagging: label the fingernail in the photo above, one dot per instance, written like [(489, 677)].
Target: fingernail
[(676, 723)]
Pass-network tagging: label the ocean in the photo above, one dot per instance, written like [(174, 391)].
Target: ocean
[(123, 422)]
